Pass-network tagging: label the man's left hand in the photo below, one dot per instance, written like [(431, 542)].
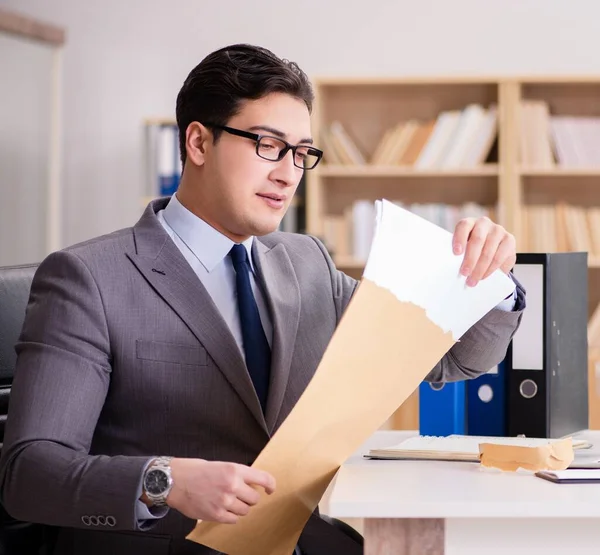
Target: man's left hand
[(487, 247)]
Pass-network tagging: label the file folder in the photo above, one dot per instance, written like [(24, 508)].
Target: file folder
[(547, 360), (486, 403), (168, 155), (442, 408)]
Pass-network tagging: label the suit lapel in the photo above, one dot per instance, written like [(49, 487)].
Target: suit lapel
[(159, 260), (281, 287)]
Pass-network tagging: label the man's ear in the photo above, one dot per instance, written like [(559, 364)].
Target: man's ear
[(197, 140)]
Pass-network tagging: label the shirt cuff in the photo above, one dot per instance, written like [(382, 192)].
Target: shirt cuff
[(143, 512), (508, 304)]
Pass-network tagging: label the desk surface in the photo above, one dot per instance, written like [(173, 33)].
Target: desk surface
[(433, 489)]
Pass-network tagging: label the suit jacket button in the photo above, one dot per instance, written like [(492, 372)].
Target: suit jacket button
[(102, 520), (94, 520), (86, 520), (111, 521)]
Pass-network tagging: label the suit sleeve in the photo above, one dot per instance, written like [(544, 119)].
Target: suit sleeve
[(61, 380), (481, 348)]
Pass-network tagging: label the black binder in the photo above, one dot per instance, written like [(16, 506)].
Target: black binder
[(547, 360)]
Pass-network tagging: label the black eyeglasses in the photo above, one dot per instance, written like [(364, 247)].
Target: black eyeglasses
[(274, 149)]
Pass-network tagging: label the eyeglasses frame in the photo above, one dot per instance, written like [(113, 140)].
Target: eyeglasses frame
[(257, 138)]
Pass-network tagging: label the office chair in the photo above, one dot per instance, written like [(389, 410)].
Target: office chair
[(16, 537), (15, 283), (346, 528)]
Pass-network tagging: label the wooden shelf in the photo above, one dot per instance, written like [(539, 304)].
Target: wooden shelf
[(402, 171), (26, 27), (593, 262), (361, 81), (346, 81), (560, 172)]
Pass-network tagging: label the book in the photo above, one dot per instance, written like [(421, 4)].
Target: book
[(571, 476), (456, 447)]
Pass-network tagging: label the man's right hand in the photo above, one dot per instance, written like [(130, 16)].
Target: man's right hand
[(216, 491)]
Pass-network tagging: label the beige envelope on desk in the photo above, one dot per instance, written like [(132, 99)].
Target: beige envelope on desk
[(411, 306)]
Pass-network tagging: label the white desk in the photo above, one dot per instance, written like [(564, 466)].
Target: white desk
[(454, 508)]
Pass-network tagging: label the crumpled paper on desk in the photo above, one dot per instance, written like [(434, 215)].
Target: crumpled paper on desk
[(556, 455), (408, 311)]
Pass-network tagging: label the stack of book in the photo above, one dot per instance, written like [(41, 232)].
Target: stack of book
[(549, 141), (456, 139), (560, 227)]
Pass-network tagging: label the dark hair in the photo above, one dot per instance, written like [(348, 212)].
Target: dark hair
[(216, 88)]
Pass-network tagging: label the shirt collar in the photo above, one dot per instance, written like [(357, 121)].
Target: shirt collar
[(209, 246)]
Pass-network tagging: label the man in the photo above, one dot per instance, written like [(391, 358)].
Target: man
[(156, 362)]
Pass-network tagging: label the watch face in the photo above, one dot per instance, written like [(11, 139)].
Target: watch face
[(156, 482)]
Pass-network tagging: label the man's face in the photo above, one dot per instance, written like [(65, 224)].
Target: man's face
[(243, 194)]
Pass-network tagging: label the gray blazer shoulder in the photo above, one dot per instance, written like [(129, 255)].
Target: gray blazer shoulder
[(309, 252)]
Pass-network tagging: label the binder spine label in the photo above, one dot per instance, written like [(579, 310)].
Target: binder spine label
[(528, 342)]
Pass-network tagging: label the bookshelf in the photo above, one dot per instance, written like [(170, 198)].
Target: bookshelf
[(371, 111), (539, 176)]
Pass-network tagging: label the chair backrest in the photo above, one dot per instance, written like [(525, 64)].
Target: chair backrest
[(15, 284), (24, 538)]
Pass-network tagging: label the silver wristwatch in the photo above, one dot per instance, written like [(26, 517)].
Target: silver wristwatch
[(157, 481)]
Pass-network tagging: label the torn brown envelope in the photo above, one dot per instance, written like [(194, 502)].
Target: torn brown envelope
[(556, 455), (383, 359)]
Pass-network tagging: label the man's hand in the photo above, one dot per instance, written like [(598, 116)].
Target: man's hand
[(216, 491), (487, 247)]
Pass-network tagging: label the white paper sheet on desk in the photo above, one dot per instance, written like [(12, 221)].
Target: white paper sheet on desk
[(435, 283), (408, 311)]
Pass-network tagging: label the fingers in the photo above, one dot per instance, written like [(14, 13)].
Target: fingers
[(261, 478), (231, 511), (461, 235), (244, 496), (248, 495), (489, 258), (215, 490), (225, 517), (489, 247), (505, 257), (238, 507), (475, 243), (510, 243)]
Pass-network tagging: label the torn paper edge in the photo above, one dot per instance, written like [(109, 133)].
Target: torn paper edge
[(449, 319)]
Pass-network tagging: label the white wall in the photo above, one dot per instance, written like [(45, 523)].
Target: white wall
[(126, 59), (25, 115)]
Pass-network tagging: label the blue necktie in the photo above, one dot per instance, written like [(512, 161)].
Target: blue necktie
[(256, 347)]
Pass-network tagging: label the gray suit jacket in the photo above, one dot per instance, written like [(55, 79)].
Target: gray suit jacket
[(124, 356)]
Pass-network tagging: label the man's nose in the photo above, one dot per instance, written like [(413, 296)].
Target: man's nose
[(286, 171)]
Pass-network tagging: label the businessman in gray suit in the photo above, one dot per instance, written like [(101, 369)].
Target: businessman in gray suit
[(156, 362)]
